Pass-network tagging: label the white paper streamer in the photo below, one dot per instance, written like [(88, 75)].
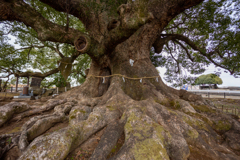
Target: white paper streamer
[(103, 79), (157, 79), (140, 80), (131, 62), (123, 79)]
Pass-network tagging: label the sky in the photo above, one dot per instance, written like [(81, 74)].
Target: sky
[(228, 80)]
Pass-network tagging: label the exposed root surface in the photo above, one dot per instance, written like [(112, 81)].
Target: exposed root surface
[(117, 127)]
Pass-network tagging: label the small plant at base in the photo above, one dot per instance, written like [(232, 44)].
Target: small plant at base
[(9, 140)]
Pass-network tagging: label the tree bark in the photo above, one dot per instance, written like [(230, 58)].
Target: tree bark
[(37, 74), (17, 84), (0, 85)]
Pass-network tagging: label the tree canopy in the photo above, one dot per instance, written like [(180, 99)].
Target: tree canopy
[(203, 35), (199, 36), (208, 79)]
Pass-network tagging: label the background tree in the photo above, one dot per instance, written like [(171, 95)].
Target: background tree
[(208, 79), (123, 94)]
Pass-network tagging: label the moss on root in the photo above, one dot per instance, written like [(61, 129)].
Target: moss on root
[(193, 134), (203, 108), (164, 102), (72, 117), (111, 108), (150, 137), (202, 117), (150, 149), (195, 123), (168, 103), (174, 104), (17, 129), (74, 113), (222, 125)]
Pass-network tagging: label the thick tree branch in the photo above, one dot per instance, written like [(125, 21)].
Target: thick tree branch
[(17, 10), (188, 54), (55, 49), (6, 75), (185, 39), (77, 8), (58, 51), (36, 74), (171, 8), (160, 42), (170, 51), (30, 47), (177, 24)]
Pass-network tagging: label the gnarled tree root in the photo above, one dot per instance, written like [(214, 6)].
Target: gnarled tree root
[(39, 124), (108, 140), (155, 128), (58, 144), (40, 109), (8, 110)]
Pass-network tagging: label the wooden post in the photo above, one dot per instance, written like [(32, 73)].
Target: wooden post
[(17, 85), (224, 95), (11, 89), (28, 81)]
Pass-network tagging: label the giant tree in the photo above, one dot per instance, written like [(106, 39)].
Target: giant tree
[(123, 93)]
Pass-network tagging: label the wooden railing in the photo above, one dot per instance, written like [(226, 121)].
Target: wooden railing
[(217, 93)]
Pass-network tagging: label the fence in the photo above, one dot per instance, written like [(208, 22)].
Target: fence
[(13, 89), (230, 110), (217, 94)]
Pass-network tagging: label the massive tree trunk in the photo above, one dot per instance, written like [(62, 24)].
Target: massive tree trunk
[(123, 95)]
